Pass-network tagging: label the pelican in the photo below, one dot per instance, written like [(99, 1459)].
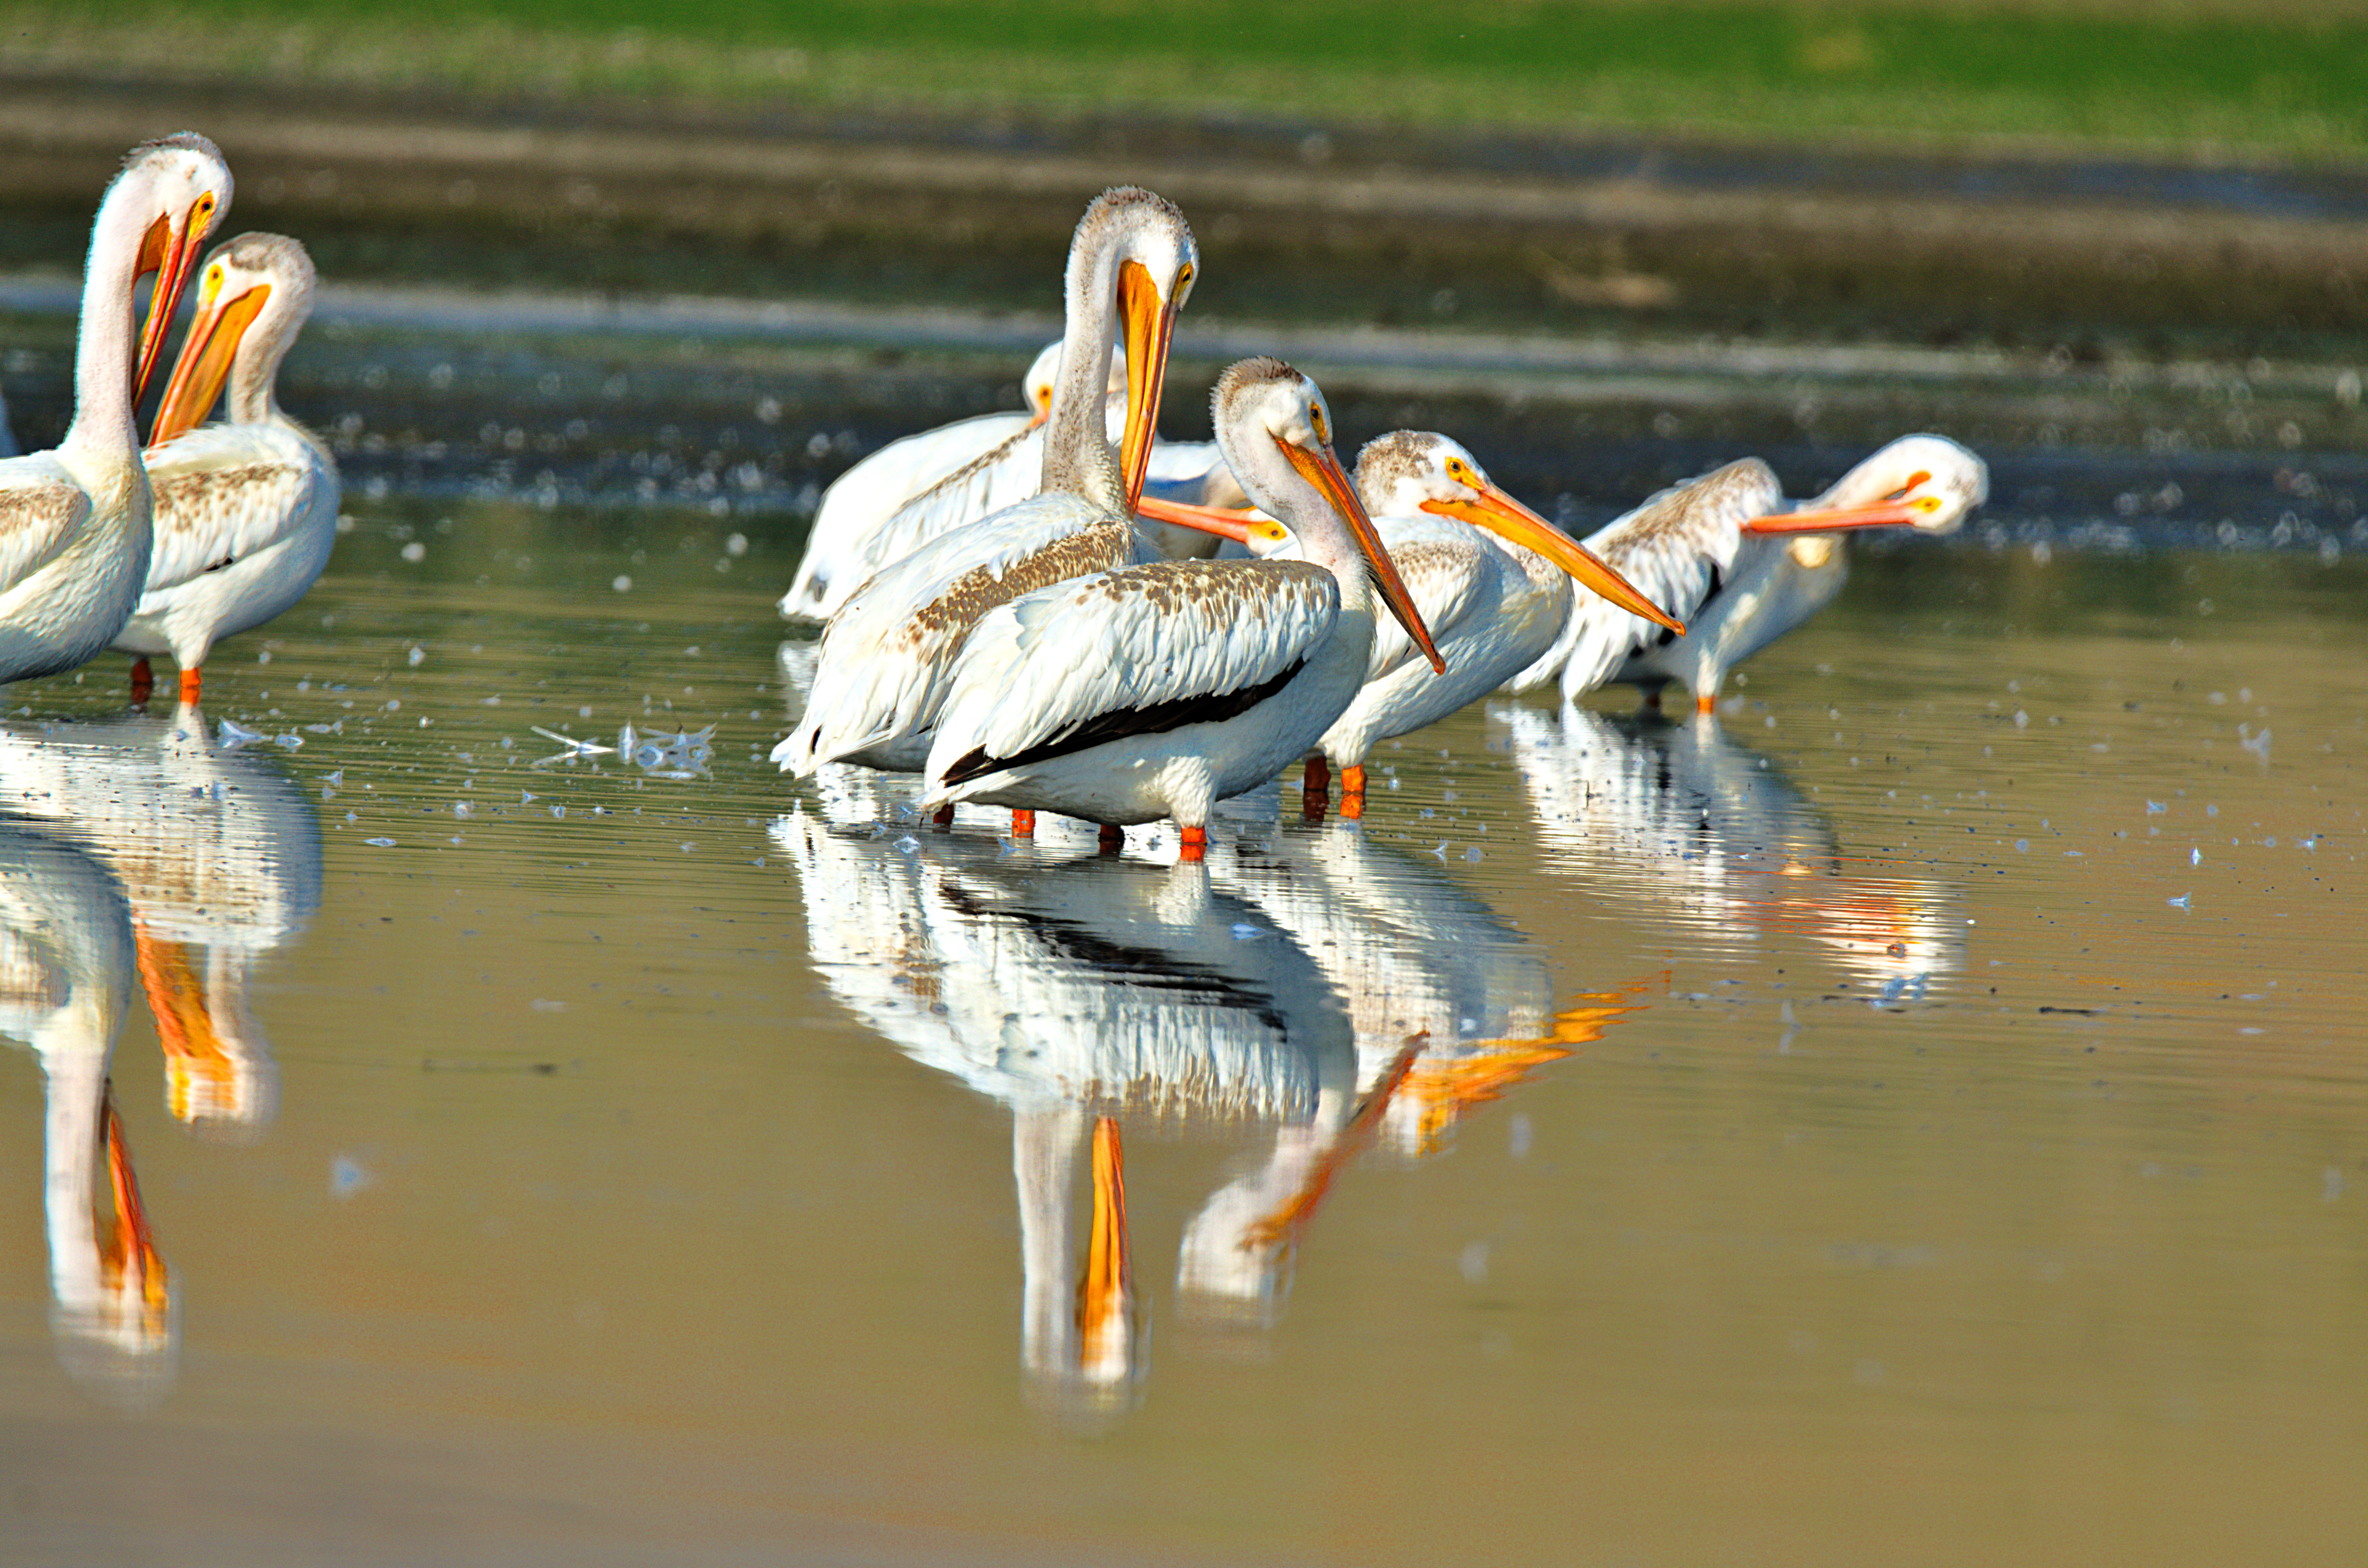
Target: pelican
[(65, 971), (887, 657), (74, 521), (974, 469), (1724, 552), (853, 536), (246, 511), (1157, 690), (1493, 603)]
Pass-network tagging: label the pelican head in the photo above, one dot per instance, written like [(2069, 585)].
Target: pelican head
[(1276, 435), (253, 294), (1036, 386), (1132, 249), (1918, 470), (177, 189), (1926, 483), (1407, 471)]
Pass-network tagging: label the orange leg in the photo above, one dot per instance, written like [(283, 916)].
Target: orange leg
[(1352, 792), (1023, 824), (1316, 788), (1196, 844), (191, 679), (1111, 839), (1705, 701), (945, 817), (143, 679)]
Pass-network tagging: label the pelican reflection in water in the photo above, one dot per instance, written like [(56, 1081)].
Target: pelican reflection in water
[(1085, 991), (1711, 839), (65, 985), (220, 855)]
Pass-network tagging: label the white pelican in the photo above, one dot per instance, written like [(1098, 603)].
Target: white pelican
[(66, 985), (246, 511), (971, 470), (1494, 605), (1710, 552), (852, 535), (1157, 690), (887, 657), (74, 521)]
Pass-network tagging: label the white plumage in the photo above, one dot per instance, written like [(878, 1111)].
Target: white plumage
[(881, 673), (1494, 583), (1156, 690), (856, 531), (75, 521), (1711, 552), (245, 512)]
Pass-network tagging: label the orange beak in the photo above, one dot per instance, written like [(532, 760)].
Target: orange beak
[(1877, 515), (1322, 469), (1491, 508), (1224, 521), (206, 355), (1147, 323), (169, 250)]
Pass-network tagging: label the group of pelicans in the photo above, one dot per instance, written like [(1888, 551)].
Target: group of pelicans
[(207, 529), (1076, 651)]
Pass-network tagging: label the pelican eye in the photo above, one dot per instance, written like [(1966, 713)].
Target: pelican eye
[(1322, 426), (1460, 471), (1183, 281)]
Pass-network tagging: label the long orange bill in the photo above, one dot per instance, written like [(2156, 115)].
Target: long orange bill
[(206, 355), (1102, 1294), (1877, 515), (1147, 323), (170, 251), (1224, 521), (1491, 508), (1322, 469)]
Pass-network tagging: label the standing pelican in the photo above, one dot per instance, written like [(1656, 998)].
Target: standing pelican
[(1157, 690), (74, 521), (887, 657), (974, 469), (1493, 603), (246, 511), (1710, 550), (853, 534)]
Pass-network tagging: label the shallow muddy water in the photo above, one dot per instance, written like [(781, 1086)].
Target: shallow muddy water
[(1915, 1116)]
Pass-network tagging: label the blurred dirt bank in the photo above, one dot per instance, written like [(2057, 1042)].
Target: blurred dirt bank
[(1298, 221)]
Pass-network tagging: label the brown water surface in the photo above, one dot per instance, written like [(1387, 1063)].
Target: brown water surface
[(1917, 1116)]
